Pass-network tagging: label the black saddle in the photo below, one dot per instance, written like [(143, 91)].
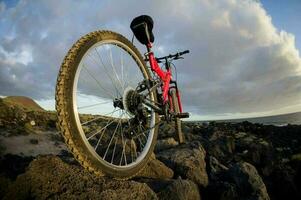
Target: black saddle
[(142, 27)]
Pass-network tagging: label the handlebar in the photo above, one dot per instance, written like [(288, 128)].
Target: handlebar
[(175, 56)]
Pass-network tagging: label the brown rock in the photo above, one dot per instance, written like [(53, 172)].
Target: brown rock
[(157, 170), (165, 144), (180, 190), (248, 181), (187, 161), (49, 177)]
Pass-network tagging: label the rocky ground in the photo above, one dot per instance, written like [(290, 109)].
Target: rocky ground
[(218, 161)]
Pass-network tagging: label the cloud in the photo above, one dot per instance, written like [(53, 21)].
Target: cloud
[(239, 61), (20, 56)]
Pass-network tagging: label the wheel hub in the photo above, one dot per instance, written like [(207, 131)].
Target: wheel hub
[(131, 100)]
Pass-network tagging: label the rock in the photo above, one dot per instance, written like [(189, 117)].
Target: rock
[(165, 144), (240, 181), (187, 161), (67, 157), (186, 128), (215, 167), (221, 147), (138, 191), (13, 165), (180, 190), (49, 177), (248, 182), (157, 170), (2, 148), (240, 135), (285, 182), (34, 141), (166, 130), (5, 182), (190, 137), (258, 152)]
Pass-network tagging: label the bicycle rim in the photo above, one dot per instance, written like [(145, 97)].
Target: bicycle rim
[(99, 80)]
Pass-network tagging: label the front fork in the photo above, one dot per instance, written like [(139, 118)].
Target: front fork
[(175, 86)]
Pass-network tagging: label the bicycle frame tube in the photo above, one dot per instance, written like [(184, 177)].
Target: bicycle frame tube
[(165, 76)]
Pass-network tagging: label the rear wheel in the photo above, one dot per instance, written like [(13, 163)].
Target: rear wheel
[(178, 123), (97, 105)]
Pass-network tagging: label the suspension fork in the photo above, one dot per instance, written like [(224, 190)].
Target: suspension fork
[(178, 94)]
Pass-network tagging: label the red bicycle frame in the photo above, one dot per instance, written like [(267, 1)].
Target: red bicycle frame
[(165, 76)]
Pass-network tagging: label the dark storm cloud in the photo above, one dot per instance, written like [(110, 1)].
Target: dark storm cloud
[(239, 61)]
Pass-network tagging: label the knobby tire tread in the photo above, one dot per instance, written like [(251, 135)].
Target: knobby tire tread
[(64, 122)]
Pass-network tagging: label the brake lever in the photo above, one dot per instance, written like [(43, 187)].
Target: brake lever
[(178, 57)]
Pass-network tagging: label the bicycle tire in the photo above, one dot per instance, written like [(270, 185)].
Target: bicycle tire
[(65, 111)]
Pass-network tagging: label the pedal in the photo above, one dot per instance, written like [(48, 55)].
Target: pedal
[(183, 115)]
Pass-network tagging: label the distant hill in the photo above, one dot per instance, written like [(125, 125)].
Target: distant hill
[(25, 102)]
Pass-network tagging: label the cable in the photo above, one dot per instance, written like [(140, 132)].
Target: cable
[(175, 71), (133, 38)]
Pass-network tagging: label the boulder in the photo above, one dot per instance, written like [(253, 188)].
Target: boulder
[(247, 181), (221, 147), (180, 190), (49, 177), (156, 169), (165, 144), (187, 161), (166, 130), (240, 181), (285, 181), (5, 182), (258, 152), (215, 167)]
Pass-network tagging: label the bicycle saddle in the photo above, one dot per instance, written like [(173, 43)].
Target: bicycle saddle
[(142, 27)]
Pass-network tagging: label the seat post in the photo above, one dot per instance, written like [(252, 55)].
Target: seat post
[(149, 47)]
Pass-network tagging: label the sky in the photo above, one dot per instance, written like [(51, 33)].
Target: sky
[(244, 59)]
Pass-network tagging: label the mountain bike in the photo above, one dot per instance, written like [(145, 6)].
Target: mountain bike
[(110, 100)]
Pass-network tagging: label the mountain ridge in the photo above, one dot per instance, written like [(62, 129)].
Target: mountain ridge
[(22, 101)]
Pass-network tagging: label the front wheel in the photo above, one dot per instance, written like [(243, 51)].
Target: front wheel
[(178, 123), (96, 103)]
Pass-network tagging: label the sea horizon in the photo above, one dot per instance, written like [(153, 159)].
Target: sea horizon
[(276, 120)]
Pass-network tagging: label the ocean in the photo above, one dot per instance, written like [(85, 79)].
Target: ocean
[(277, 120)]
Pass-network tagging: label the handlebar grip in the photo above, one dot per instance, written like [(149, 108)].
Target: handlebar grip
[(184, 52), (176, 56)]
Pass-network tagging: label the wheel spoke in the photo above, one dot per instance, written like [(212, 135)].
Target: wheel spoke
[(141, 144), (101, 130), (107, 73), (104, 156), (100, 117), (121, 64), (110, 94), (92, 105), (131, 142), (123, 147), (112, 159), (114, 70), (146, 130)]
